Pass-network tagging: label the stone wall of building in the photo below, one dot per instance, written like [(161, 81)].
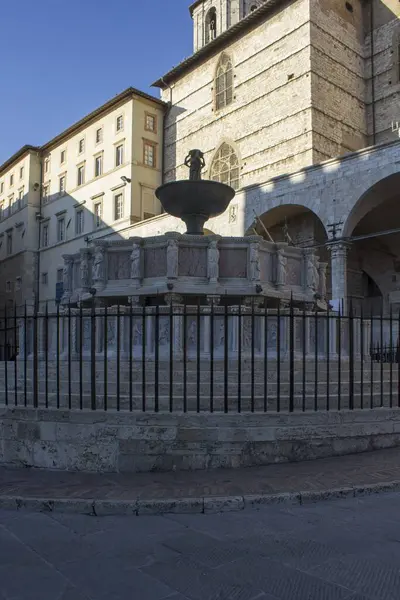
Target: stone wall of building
[(269, 121), (338, 96), (382, 71)]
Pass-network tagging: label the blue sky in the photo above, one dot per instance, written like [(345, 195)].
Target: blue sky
[(63, 58)]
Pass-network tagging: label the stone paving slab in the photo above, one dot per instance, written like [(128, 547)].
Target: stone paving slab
[(200, 491)]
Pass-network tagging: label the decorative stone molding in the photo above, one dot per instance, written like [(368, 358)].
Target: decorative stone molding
[(213, 299), (134, 300), (172, 298)]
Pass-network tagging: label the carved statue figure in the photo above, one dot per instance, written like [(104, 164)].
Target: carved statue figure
[(67, 276), (312, 273), (135, 262), (254, 262), (322, 280), (282, 268), (98, 265), (84, 271), (195, 162), (192, 330), (172, 259), (213, 261)]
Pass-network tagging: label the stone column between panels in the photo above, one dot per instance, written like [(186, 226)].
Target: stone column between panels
[(339, 252)]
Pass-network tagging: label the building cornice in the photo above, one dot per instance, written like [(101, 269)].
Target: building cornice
[(195, 5), (104, 108), (219, 43), (17, 157)]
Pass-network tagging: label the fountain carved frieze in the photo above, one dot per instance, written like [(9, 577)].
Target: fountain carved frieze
[(191, 265)]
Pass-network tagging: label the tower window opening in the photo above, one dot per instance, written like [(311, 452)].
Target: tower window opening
[(211, 25)]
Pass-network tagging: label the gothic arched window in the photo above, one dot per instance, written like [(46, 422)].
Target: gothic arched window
[(211, 25), (224, 83), (225, 166)]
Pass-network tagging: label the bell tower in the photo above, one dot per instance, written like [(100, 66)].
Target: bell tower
[(213, 17)]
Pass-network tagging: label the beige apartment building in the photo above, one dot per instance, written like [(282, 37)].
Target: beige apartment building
[(96, 179), (19, 212)]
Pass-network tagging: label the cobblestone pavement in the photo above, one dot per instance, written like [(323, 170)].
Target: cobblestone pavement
[(337, 550), (369, 468)]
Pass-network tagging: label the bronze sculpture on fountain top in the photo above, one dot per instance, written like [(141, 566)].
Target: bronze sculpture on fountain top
[(195, 200)]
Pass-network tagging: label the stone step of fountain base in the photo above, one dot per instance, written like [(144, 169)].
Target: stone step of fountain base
[(218, 403), (177, 387)]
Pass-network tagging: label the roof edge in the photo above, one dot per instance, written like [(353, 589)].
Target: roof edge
[(128, 93), (17, 156), (194, 5)]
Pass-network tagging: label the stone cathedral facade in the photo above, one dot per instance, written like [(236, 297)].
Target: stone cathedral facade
[(295, 104)]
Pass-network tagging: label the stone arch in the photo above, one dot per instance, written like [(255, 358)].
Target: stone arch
[(379, 192), (223, 82), (282, 215), (210, 24), (225, 165), (373, 250)]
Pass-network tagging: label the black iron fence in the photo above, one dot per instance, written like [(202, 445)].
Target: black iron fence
[(249, 357)]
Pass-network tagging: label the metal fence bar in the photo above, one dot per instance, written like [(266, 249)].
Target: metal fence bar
[(315, 360), (371, 352), (69, 358), (118, 358), (130, 357), (304, 364), (171, 359), (15, 360), (252, 374), (212, 357), (144, 332), (226, 347), (185, 335), (93, 359), (80, 358), (198, 357), (239, 373), (339, 369), (398, 359), (391, 358), (35, 361), (328, 349), (361, 358), (46, 358), (265, 355), (105, 358), (156, 358), (5, 355), (278, 360), (351, 357), (382, 358), (25, 358), (291, 357)]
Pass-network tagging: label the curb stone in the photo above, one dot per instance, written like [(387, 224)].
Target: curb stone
[(200, 505)]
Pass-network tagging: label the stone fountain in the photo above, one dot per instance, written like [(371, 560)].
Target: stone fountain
[(192, 268)]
